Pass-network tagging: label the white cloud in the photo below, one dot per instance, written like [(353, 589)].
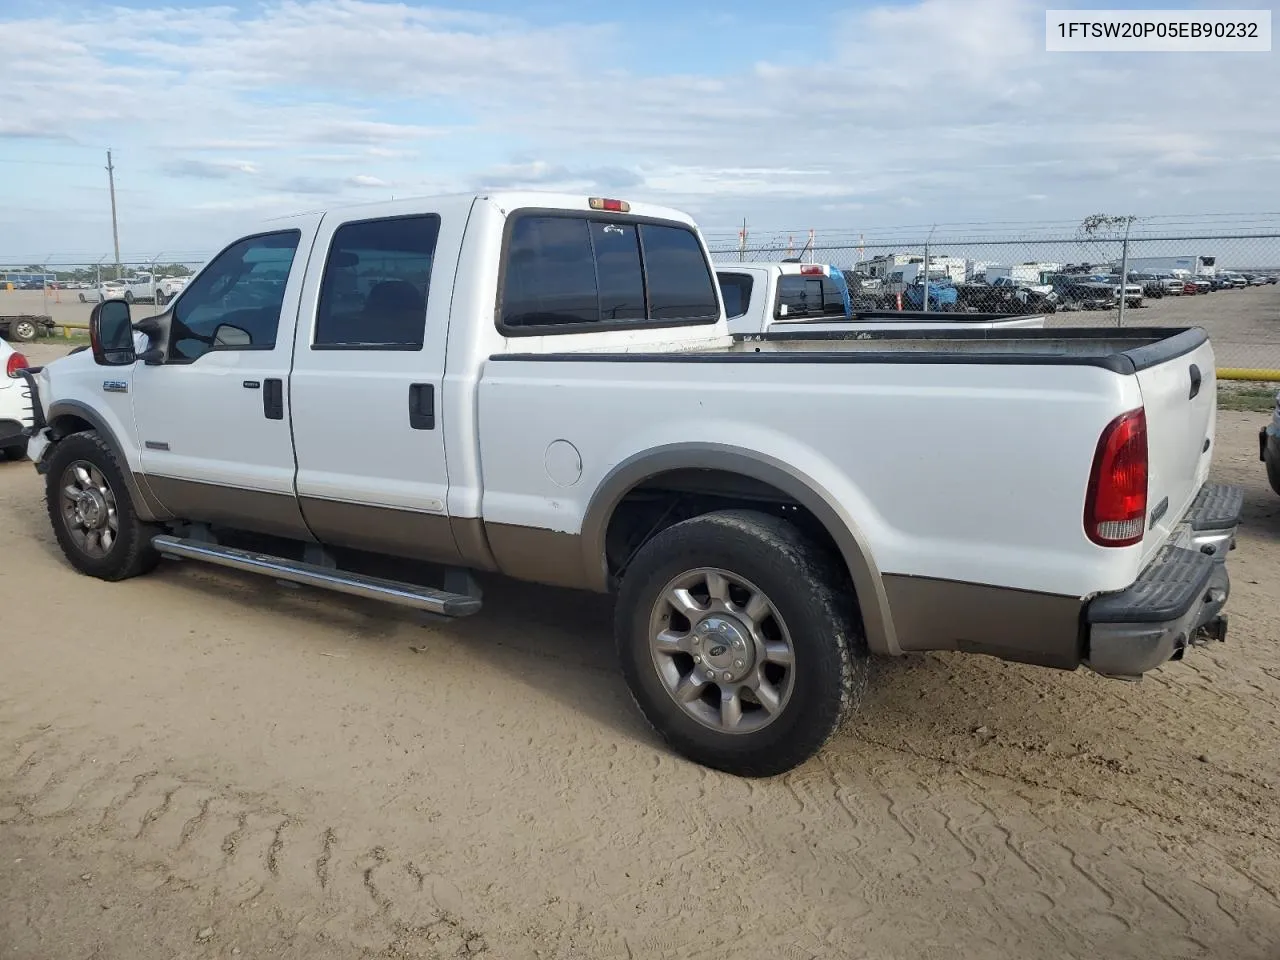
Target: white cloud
[(208, 169), (948, 105)]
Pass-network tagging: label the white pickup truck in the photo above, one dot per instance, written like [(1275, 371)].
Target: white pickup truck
[(145, 286), (545, 386), (781, 296)]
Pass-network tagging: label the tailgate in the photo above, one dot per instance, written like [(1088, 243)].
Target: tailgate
[(1180, 437)]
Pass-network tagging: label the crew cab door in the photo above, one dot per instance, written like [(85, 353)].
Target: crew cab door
[(368, 381), (213, 418)]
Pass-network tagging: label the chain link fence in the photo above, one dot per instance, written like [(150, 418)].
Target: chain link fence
[(1222, 280), (64, 291), (1225, 283)]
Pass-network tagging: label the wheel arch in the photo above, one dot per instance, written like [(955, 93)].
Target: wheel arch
[(66, 417), (755, 469)]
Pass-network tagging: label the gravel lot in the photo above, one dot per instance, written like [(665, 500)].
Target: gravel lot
[(196, 764)]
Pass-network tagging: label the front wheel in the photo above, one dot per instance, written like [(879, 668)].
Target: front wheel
[(93, 517), (161, 299), (82, 299), (740, 640)]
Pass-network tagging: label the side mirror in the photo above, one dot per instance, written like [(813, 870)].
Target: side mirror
[(227, 335), (111, 334)]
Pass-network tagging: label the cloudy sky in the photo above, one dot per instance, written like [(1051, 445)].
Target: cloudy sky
[(817, 114)]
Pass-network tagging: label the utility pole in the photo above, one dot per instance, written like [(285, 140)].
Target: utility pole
[(925, 293), (115, 230), (1124, 271)]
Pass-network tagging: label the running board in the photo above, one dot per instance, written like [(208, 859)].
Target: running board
[(355, 584)]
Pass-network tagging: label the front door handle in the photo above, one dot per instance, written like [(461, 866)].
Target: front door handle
[(422, 406), (273, 398)]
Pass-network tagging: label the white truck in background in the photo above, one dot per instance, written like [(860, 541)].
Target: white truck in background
[(777, 297), (545, 386), (146, 287)]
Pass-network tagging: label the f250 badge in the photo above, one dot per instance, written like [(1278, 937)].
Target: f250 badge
[(115, 386)]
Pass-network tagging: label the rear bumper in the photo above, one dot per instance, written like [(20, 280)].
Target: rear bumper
[(1177, 601)]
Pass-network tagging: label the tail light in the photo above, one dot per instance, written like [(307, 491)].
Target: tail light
[(1115, 509), (813, 269), (16, 362)]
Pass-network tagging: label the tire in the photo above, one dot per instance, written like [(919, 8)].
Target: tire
[(161, 299), (23, 331), (129, 552), (128, 297), (82, 299), (17, 451), (1273, 472), (811, 609)]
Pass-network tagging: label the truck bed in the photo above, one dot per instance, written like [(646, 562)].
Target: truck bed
[(1124, 351)]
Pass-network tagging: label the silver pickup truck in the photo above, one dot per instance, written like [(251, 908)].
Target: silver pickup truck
[(763, 297)]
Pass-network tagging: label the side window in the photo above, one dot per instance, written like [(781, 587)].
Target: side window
[(235, 303), (735, 290), (680, 283), (570, 271), (373, 295)]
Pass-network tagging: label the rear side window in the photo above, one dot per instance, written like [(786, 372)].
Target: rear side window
[(809, 296), (373, 295), (735, 291), (566, 272)]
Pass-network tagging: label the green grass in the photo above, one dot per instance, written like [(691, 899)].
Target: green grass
[(77, 340), (1247, 395)]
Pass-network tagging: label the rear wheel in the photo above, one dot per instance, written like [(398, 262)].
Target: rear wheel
[(740, 641), (15, 451), (93, 517), (128, 296), (23, 331)]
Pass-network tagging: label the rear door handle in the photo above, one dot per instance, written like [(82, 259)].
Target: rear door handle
[(422, 406), (273, 398), (1195, 381)]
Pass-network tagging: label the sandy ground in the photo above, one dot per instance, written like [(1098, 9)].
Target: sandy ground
[(200, 765)]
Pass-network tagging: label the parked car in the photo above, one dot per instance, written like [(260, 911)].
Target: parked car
[(1079, 292), (1269, 446), (148, 287), (1133, 292), (107, 290), (1007, 295), (15, 403), (1201, 284), (544, 386), (1172, 285), (1152, 286)]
